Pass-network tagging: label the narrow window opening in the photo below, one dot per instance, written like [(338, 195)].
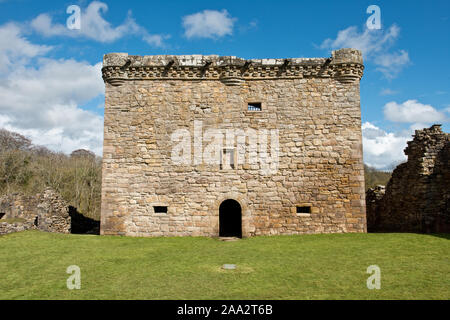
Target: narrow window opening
[(304, 209), (227, 157), (1, 214), (254, 106), (160, 209)]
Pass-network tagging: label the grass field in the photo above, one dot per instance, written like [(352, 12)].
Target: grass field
[(413, 266)]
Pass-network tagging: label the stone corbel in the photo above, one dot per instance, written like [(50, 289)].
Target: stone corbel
[(347, 65)]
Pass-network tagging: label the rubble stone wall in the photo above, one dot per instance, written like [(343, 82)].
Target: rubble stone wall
[(417, 197), (46, 212)]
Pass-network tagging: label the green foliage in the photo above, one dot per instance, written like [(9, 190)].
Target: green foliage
[(373, 177), (326, 266)]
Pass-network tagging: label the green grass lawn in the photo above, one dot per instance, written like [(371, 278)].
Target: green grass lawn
[(328, 266)]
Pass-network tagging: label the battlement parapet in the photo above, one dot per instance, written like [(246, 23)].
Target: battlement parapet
[(346, 65)]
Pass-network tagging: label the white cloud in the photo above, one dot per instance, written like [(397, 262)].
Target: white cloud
[(208, 24), (375, 46), (95, 27), (382, 149), (412, 111), (15, 49), (390, 64), (43, 24), (71, 128), (369, 41), (43, 101)]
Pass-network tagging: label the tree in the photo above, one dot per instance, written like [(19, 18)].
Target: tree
[(373, 177), (82, 153), (13, 141)]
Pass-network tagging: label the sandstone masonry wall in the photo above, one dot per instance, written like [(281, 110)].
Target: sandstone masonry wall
[(313, 103)]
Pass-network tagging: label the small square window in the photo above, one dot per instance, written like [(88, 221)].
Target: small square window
[(160, 209), (254, 106), (303, 209), (1, 215)]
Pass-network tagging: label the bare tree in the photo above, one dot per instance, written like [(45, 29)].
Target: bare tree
[(13, 141)]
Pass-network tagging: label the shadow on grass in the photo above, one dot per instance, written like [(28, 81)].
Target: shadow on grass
[(439, 235)]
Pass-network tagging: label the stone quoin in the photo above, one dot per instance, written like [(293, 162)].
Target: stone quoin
[(293, 163)]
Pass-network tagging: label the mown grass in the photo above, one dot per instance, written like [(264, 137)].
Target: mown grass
[(413, 266)]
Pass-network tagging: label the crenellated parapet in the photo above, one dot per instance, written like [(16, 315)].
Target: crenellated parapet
[(345, 65)]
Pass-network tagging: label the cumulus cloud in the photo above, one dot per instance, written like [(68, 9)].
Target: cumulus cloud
[(383, 150), (412, 111), (375, 46), (62, 136), (208, 24), (95, 27), (15, 49), (42, 100)]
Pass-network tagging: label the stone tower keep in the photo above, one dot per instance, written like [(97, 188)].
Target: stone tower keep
[(207, 145)]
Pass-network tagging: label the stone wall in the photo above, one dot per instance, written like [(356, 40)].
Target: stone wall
[(417, 197), (46, 212), (312, 104)]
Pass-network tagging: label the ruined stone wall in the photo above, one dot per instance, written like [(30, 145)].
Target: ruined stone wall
[(53, 213), (417, 197), (313, 104), (46, 212), (18, 205)]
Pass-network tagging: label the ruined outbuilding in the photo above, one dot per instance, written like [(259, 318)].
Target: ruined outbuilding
[(46, 212), (417, 197)]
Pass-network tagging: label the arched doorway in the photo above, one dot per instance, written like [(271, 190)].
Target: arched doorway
[(230, 219)]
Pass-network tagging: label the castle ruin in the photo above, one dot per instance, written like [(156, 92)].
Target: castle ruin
[(46, 211), (417, 197), (221, 146)]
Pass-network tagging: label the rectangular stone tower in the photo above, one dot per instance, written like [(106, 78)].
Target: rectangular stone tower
[(222, 146)]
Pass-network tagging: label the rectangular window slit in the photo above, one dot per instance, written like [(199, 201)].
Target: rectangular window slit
[(303, 209), (160, 209), (254, 106), (227, 158)]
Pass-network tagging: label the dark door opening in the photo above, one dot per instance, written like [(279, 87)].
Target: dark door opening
[(230, 219)]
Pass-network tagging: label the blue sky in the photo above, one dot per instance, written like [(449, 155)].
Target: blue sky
[(51, 89)]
